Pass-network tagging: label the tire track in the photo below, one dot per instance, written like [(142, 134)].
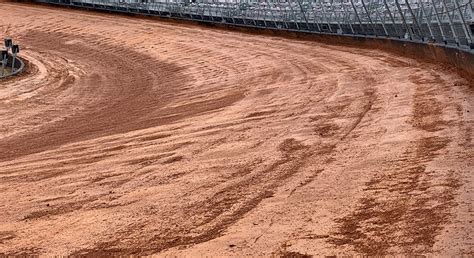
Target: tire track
[(153, 137)]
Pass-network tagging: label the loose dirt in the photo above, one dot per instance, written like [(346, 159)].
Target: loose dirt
[(136, 136)]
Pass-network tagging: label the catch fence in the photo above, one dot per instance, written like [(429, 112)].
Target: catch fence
[(449, 22)]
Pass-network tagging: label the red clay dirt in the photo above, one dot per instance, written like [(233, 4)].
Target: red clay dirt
[(134, 136)]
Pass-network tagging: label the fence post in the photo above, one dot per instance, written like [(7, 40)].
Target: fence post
[(377, 15), (440, 24), (337, 17), (346, 14), (450, 20), (315, 20), (304, 15), (464, 24), (358, 18), (415, 21), (368, 16), (325, 17), (428, 21), (391, 18), (403, 19)]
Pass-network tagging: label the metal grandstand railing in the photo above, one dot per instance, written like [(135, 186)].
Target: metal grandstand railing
[(448, 22)]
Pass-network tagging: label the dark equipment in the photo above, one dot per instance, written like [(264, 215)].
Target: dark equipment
[(4, 61), (15, 49), (8, 43), (4, 55)]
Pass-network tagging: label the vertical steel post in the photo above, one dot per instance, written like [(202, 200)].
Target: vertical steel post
[(201, 7), (403, 19), (314, 12), (368, 16), (264, 12), (325, 17), (415, 21), (210, 6), (218, 10), (337, 17), (232, 15), (428, 20), (284, 17), (347, 15), (315, 18), (382, 20), (357, 16), (440, 23), (254, 18), (304, 14), (391, 18), (450, 20), (464, 24), (273, 15), (294, 15)]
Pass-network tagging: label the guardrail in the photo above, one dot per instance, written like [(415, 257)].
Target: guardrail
[(448, 22)]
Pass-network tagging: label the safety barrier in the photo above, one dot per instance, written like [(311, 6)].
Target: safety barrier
[(438, 31), (448, 22)]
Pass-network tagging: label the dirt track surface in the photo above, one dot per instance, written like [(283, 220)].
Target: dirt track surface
[(134, 136)]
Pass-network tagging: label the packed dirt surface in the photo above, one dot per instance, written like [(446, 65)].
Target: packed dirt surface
[(136, 136)]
